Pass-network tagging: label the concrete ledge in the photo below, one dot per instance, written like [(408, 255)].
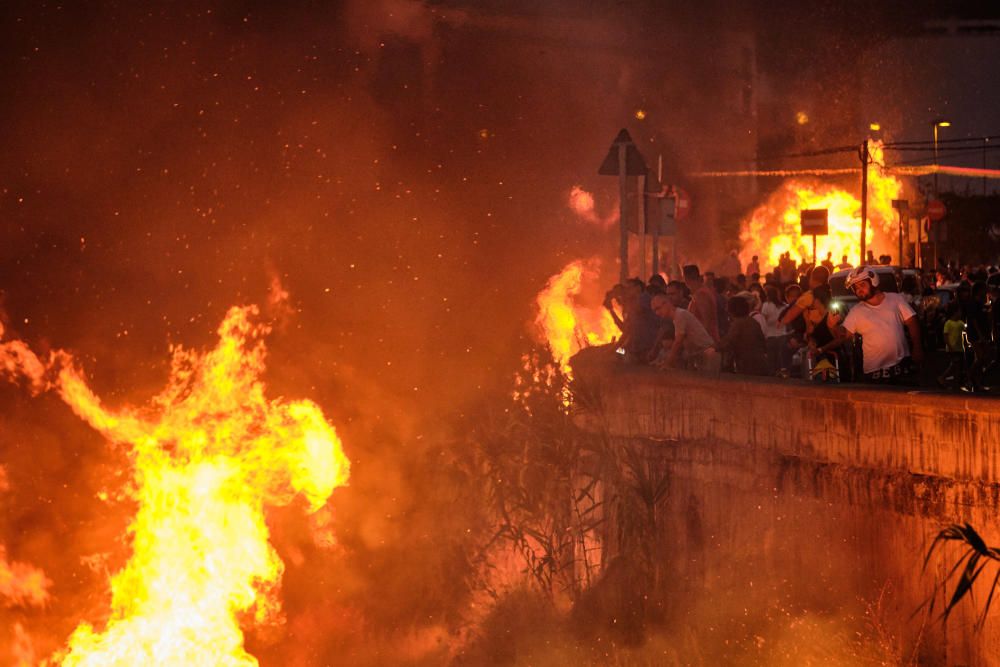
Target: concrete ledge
[(954, 437)]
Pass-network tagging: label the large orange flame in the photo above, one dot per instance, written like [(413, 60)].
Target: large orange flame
[(773, 228), (210, 454), (567, 324)]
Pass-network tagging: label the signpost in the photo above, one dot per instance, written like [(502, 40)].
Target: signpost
[(865, 156), (936, 211), (623, 160), (662, 214), (659, 209), (815, 222), (901, 206)]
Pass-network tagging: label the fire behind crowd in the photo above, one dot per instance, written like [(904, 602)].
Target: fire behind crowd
[(289, 294)]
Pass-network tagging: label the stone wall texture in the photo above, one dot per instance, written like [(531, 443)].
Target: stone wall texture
[(816, 502)]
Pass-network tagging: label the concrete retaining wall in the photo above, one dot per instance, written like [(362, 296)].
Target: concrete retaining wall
[(821, 499)]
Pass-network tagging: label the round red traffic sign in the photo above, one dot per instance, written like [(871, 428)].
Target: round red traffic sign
[(936, 210), (683, 209)]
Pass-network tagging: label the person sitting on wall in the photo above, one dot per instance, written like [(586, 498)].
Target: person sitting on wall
[(678, 293), (744, 344), (637, 323), (692, 345), (882, 319), (821, 341)]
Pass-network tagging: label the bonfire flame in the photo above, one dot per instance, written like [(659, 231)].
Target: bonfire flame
[(209, 454), (773, 228), (566, 324)]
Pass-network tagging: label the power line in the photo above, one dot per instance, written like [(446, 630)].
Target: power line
[(777, 172), (816, 153), (930, 159), (972, 145), (898, 145)]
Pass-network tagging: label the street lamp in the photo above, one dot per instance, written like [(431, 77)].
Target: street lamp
[(940, 122)]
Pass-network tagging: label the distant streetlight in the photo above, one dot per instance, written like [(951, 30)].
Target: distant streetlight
[(940, 122)]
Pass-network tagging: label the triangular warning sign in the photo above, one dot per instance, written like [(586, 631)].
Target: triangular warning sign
[(634, 164)]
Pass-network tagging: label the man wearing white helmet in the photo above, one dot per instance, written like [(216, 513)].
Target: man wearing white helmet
[(882, 318)]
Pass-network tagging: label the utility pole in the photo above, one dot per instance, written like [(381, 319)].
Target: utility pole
[(918, 255), (864, 198), (899, 257), (902, 206), (622, 197), (641, 198), (656, 227)]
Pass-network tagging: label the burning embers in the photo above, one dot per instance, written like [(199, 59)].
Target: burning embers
[(210, 453)]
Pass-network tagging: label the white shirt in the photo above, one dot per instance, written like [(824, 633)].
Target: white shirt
[(882, 331), (772, 320), (696, 339)]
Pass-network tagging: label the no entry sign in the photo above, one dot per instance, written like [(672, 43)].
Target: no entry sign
[(683, 204), (936, 210)]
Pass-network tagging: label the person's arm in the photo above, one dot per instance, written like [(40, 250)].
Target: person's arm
[(839, 331), (795, 310), (610, 305), (912, 326), (654, 351), (675, 349)]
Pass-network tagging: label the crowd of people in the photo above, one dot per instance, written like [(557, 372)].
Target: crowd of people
[(913, 329)]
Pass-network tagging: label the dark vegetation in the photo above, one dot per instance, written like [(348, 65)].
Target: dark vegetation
[(975, 556)]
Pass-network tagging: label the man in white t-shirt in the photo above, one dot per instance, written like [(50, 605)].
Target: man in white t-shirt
[(882, 319)]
